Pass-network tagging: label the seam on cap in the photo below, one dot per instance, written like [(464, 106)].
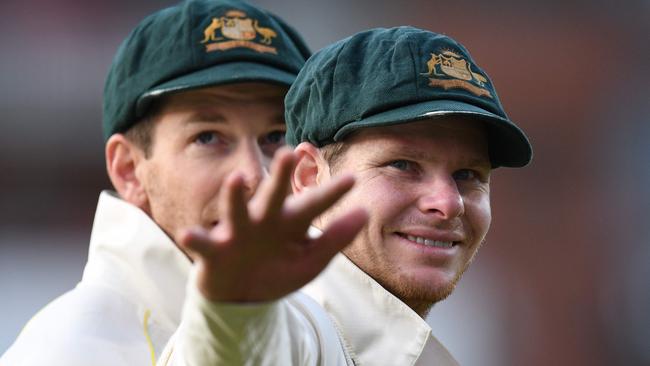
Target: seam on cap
[(334, 92), (415, 68), (192, 25)]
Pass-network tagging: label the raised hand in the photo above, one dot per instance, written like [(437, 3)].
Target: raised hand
[(259, 250)]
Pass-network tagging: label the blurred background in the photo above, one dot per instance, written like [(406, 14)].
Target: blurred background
[(565, 276)]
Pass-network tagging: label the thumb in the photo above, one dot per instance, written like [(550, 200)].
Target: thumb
[(196, 243)]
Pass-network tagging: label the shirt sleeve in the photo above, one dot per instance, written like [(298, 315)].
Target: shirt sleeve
[(270, 333)]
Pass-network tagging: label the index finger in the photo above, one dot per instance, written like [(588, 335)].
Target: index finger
[(304, 207)]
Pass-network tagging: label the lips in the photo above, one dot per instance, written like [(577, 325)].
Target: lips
[(428, 241)]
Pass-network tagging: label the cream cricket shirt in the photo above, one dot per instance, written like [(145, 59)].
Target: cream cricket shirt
[(126, 306), (131, 308)]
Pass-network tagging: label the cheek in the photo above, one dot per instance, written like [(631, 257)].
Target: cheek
[(385, 202), (205, 183), (202, 192), (188, 187), (479, 215)]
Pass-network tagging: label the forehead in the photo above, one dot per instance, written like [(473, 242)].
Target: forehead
[(243, 101), (448, 136), (249, 108), (251, 93)]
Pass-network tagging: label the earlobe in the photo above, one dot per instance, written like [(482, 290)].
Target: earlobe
[(309, 169), (122, 160)]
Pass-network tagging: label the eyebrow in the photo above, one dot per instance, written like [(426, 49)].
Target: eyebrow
[(418, 154), (202, 116), (214, 116), (409, 152)]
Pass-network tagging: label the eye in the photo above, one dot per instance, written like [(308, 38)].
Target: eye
[(401, 165), (271, 142), (275, 137), (207, 138), (466, 175)]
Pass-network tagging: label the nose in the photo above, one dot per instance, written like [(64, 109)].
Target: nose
[(252, 164), (442, 198)]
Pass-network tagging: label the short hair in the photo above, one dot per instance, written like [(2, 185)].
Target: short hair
[(332, 153), (141, 133)]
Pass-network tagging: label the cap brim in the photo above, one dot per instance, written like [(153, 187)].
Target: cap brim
[(508, 145), (221, 74)]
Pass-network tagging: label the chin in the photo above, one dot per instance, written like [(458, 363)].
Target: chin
[(432, 288)]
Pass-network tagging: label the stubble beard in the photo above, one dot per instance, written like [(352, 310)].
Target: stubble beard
[(164, 212), (421, 298)]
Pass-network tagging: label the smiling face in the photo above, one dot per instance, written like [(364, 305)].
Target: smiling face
[(426, 187), (200, 137)]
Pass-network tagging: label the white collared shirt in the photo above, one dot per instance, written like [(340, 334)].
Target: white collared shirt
[(126, 306)]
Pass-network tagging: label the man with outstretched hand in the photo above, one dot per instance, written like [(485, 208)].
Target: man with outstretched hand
[(193, 115)]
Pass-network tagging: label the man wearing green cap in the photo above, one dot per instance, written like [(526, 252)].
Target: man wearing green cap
[(411, 115), (193, 115)]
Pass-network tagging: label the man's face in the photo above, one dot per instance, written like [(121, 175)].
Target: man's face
[(200, 137), (426, 187)]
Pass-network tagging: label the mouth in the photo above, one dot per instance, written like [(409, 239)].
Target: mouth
[(428, 242)]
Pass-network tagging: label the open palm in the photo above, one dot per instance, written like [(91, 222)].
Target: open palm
[(260, 250)]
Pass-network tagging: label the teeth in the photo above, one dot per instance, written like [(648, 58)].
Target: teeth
[(429, 242)]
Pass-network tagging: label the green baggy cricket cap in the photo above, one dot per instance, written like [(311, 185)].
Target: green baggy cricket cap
[(384, 77), (195, 44)]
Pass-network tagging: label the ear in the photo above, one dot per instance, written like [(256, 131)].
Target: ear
[(122, 160), (311, 169)]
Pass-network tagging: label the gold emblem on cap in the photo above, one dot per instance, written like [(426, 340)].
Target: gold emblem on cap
[(235, 29), (449, 64)]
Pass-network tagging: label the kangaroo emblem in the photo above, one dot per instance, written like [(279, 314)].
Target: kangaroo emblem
[(235, 29), (431, 64), (452, 66), (267, 33), (211, 31)]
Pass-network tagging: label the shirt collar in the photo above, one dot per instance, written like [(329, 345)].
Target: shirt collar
[(130, 254)]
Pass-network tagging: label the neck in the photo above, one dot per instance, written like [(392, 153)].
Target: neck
[(422, 308)]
